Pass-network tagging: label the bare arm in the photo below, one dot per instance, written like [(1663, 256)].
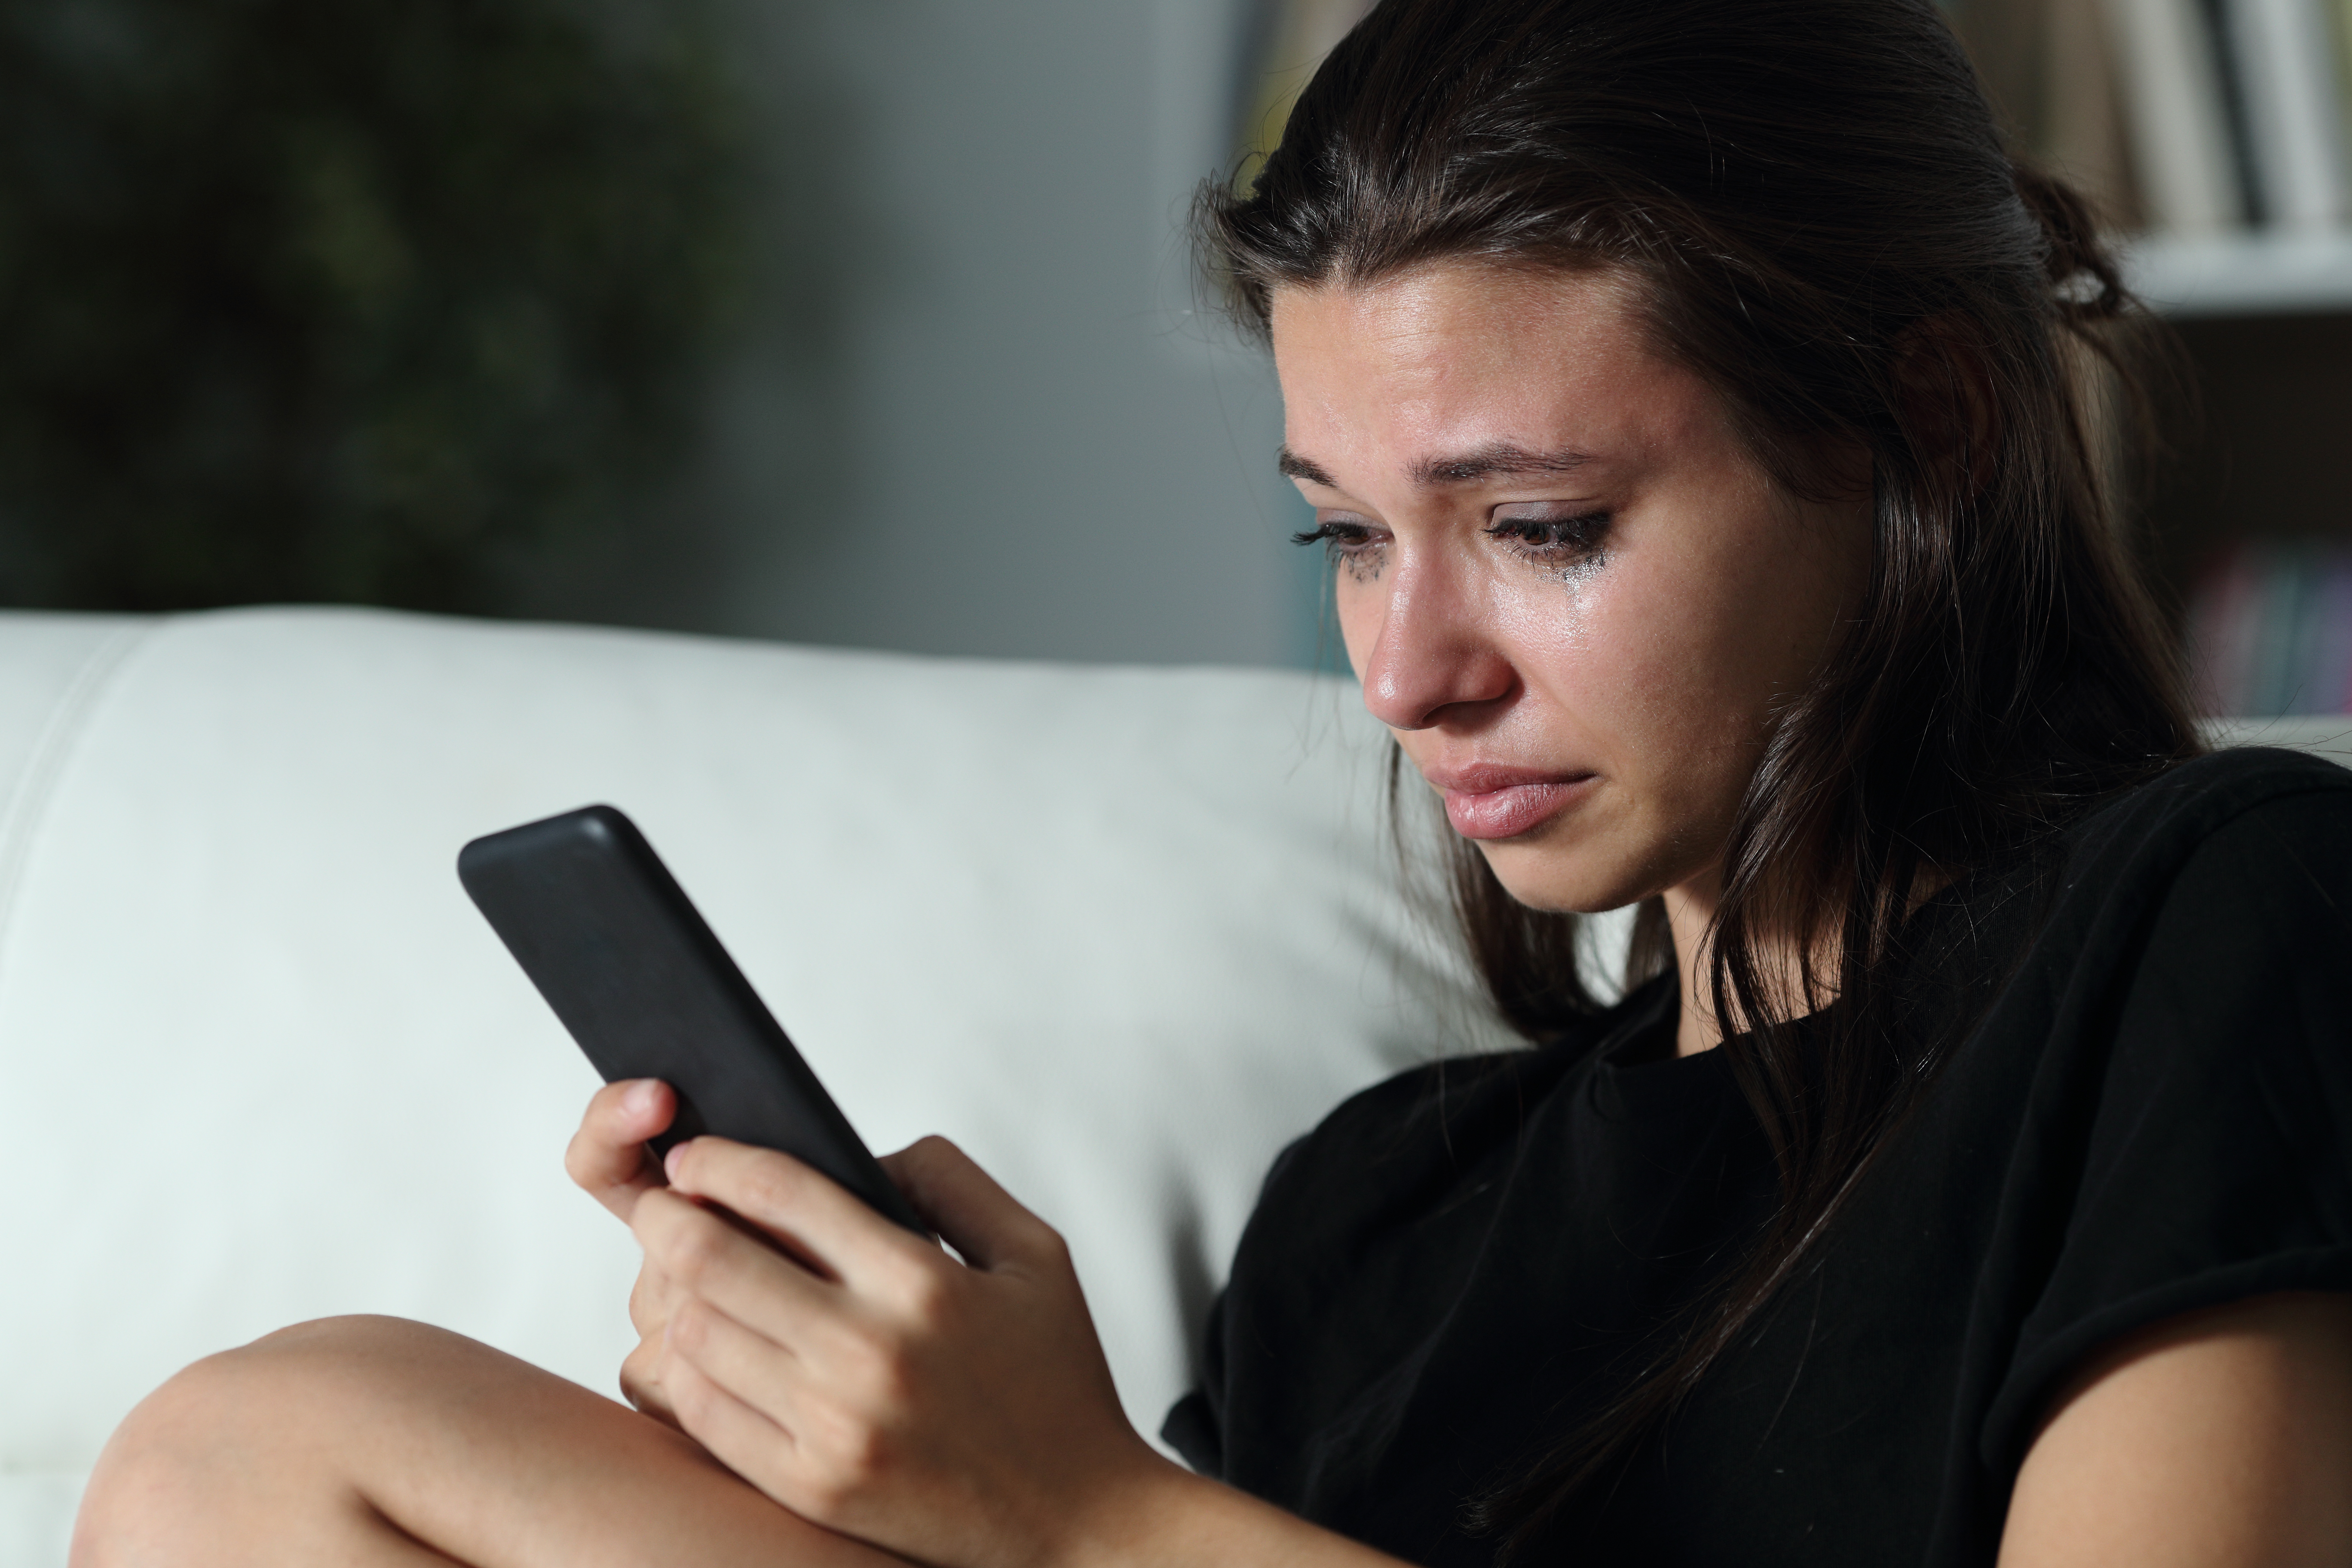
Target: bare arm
[(2223, 1437)]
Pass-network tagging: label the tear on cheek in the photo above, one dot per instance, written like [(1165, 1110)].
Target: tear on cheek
[(1579, 575)]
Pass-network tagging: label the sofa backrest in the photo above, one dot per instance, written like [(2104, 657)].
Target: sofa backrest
[(1119, 933)]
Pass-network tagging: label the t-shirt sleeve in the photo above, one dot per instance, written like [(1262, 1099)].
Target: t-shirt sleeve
[(2218, 1162), (1195, 1426)]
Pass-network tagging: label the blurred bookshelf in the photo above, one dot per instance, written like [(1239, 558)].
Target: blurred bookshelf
[(2215, 138)]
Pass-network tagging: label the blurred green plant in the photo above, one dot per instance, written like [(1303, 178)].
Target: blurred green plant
[(348, 299)]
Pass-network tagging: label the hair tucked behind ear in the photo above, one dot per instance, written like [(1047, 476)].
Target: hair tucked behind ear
[(1820, 219)]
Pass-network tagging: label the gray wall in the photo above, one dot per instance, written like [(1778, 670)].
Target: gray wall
[(980, 416)]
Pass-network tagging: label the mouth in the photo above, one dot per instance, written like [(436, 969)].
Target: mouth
[(1486, 802)]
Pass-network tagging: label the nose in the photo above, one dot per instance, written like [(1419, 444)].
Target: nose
[(1434, 657)]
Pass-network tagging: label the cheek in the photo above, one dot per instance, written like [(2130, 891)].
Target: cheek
[(1359, 607), (1623, 653), (1674, 656), (1623, 683), (1652, 677)]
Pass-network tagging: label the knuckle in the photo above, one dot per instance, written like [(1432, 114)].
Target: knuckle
[(927, 1297), (696, 1253), (640, 1373), (649, 1300), (1050, 1243), (866, 1461), (823, 1495), (850, 1465), (688, 1328)]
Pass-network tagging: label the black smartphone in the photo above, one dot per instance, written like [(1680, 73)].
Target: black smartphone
[(630, 968)]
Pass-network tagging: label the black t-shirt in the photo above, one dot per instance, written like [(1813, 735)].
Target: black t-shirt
[(2153, 1113)]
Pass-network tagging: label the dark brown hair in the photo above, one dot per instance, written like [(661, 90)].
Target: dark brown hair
[(1822, 220)]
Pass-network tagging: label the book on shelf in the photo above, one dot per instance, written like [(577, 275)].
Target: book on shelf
[(2281, 54), (2180, 143), (2183, 117), (2270, 630)]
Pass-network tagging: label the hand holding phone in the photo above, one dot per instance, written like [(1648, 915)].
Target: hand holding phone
[(630, 967)]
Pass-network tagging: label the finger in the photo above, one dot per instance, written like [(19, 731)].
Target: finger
[(607, 1157), (641, 1383), (977, 1217), (649, 1300), (706, 1256), (748, 1364), (809, 1215), (739, 1436)]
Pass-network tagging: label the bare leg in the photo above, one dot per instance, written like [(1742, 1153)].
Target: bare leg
[(366, 1441)]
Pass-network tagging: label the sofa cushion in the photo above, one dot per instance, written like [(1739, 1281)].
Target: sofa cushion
[(1119, 933)]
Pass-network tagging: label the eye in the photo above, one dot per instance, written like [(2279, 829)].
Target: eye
[(1346, 542), (1552, 538)]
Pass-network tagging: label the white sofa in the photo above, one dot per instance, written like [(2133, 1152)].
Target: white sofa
[(1121, 932)]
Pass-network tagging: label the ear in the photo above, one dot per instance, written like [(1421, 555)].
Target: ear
[(1945, 387)]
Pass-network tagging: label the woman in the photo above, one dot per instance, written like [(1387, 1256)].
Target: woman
[(1684, 389)]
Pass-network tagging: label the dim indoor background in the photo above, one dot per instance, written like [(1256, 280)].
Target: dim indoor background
[(861, 322), (870, 321)]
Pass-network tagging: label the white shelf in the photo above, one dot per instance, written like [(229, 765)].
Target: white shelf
[(2246, 274), (2324, 734)]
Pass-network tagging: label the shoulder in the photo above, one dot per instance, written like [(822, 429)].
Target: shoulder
[(2164, 1080), (2230, 870), (2199, 845), (2245, 919), (2172, 816), (2179, 999), (2227, 879), (2273, 825)]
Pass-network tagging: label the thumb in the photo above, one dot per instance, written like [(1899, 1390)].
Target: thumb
[(974, 1214), (607, 1156)]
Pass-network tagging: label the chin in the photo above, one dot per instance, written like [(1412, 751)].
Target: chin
[(1560, 880)]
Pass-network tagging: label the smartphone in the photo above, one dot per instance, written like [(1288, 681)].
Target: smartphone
[(628, 964)]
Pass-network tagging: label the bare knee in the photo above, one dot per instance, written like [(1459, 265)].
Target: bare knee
[(150, 1490), (230, 1440), (350, 1343)]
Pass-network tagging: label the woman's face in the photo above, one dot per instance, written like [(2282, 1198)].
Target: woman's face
[(1569, 591)]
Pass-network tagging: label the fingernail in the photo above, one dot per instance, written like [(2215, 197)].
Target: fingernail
[(671, 1161), (639, 1099)]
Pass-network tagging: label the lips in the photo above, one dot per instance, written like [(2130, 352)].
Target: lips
[(1490, 802)]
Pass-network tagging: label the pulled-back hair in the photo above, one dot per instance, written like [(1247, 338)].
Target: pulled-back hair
[(1820, 219)]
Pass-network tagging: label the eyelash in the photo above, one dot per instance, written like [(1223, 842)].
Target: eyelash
[(1339, 540), (1347, 546), (1553, 540), (1555, 543)]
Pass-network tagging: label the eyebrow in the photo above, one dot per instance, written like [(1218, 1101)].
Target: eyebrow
[(1502, 457)]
